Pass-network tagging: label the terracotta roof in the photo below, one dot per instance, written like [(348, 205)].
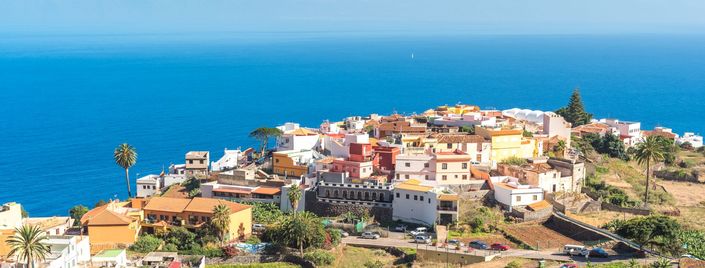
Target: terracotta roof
[(506, 132), (448, 197), (543, 204), (206, 205), (413, 185), (92, 213), (267, 190), (168, 204), (107, 217), (301, 132), (196, 155), (459, 138), (667, 135), (592, 128)]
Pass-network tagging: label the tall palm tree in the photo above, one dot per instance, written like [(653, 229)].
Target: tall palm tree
[(652, 149), (263, 134), (221, 220), (27, 244), (294, 195), (301, 230), (126, 157)]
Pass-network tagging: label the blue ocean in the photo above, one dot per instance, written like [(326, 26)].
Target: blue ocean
[(67, 100)]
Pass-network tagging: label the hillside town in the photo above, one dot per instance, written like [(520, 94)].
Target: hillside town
[(427, 182)]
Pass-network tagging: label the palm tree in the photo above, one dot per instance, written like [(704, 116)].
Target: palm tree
[(302, 230), (221, 220), (126, 157), (559, 147), (294, 195), (27, 244), (650, 150), (263, 134)]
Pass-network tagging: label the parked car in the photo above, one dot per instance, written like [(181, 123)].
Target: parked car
[(596, 253), (420, 230), (400, 228), (369, 235), (500, 247), (455, 243), (420, 239), (344, 233), (258, 227), (478, 244), (573, 250)]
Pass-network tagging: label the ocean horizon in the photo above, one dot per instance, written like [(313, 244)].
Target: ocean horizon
[(69, 100)]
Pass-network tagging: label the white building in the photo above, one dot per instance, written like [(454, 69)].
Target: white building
[(110, 258), (468, 120), (328, 127), (67, 251), (179, 169), (148, 185), (510, 193), (533, 116), (417, 167), (422, 204), (690, 137), (629, 131), (230, 160), (297, 139), (354, 123)]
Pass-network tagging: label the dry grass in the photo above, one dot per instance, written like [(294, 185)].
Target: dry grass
[(496, 263), (686, 194), (355, 257), (176, 191), (600, 218)]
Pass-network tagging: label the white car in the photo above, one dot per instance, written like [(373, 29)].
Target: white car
[(258, 227), (418, 231), (420, 239), (369, 235), (344, 233)]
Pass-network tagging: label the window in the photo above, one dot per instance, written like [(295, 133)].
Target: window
[(456, 176), (397, 195), (449, 146), (518, 198), (536, 197), (421, 198), (429, 201), (465, 165), (381, 197), (374, 196), (444, 166), (426, 177), (407, 196), (407, 164), (190, 161), (276, 160), (416, 197), (444, 177), (398, 176), (425, 165), (367, 195), (201, 161), (406, 176), (465, 177)]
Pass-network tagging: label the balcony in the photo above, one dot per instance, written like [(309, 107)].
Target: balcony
[(447, 208)]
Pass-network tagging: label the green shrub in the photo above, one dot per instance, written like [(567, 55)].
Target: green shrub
[(319, 257), (253, 240), (373, 264), (170, 248), (513, 264), (146, 243)]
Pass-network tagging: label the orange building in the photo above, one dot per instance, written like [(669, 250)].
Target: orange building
[(113, 225)]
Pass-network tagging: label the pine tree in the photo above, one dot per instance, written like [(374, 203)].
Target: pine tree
[(575, 111)]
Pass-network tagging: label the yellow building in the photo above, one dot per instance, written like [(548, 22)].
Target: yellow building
[(291, 163), (10, 218), (113, 225), (162, 213), (458, 109), (507, 143)]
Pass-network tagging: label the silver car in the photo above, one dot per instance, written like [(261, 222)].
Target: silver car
[(369, 235)]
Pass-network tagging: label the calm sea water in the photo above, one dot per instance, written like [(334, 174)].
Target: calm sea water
[(67, 101)]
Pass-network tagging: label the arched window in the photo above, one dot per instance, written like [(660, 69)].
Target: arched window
[(367, 195), (352, 194), (335, 193), (381, 197), (359, 195), (345, 194), (374, 196), (327, 193)]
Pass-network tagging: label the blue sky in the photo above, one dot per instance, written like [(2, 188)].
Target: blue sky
[(466, 16)]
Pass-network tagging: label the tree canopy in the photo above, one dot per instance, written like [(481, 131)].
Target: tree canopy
[(575, 111)]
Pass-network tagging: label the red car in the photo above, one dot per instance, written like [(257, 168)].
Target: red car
[(498, 246)]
